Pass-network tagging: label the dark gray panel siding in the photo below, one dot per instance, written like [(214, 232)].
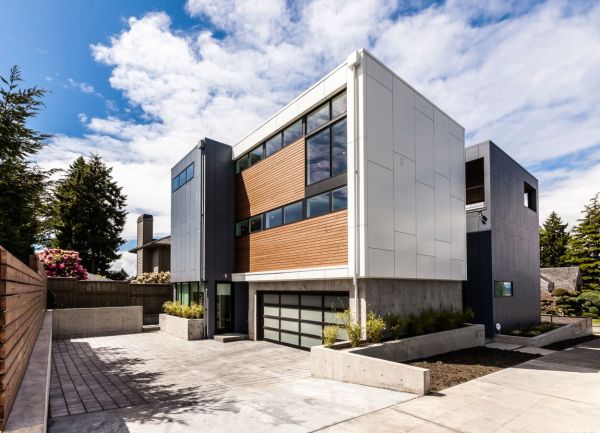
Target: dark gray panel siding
[(478, 289), (515, 242)]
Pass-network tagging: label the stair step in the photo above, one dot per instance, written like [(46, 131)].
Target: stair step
[(150, 328), (228, 338)]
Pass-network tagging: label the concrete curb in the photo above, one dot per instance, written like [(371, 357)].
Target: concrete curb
[(30, 411), (186, 329)]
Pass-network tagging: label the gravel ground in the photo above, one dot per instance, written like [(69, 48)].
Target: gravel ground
[(461, 366)]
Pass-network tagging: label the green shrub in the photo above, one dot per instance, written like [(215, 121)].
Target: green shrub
[(594, 310), (559, 292), (352, 328), (330, 335), (467, 316), (375, 326), (414, 326), (195, 311), (395, 325)]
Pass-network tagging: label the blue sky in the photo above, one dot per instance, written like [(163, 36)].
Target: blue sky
[(139, 81)]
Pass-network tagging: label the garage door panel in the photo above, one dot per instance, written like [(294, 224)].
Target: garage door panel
[(297, 319)]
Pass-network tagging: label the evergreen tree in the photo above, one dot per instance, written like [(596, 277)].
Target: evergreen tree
[(584, 245), (554, 240), (89, 213), (24, 200)]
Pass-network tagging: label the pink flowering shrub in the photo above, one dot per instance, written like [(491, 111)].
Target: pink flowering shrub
[(62, 263)]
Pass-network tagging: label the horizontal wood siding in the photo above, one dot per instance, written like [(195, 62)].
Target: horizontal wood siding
[(273, 182), (315, 242), (22, 307)]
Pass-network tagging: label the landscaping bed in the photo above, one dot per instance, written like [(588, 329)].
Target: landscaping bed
[(454, 368)]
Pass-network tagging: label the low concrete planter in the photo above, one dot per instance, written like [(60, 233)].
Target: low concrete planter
[(186, 329), (380, 365), (94, 322), (572, 327)]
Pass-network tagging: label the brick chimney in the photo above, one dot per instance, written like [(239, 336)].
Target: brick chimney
[(145, 233)]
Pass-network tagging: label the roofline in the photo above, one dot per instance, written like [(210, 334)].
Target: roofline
[(150, 244), (490, 142)]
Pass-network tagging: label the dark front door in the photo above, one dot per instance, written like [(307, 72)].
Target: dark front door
[(224, 308)]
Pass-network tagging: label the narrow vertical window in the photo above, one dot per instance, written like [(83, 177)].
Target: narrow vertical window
[(339, 140), (318, 155)]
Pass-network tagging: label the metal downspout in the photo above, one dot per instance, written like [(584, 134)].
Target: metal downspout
[(356, 210)]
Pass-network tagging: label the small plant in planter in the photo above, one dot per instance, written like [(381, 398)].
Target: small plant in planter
[(195, 311), (375, 327), (352, 328), (330, 335)]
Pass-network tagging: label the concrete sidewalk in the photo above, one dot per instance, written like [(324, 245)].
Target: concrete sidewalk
[(555, 393)]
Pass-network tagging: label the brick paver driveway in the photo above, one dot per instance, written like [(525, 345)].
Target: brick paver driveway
[(153, 382)]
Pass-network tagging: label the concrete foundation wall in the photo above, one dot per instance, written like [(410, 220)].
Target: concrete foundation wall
[(409, 296), (346, 366), (93, 322), (424, 346), (186, 329)]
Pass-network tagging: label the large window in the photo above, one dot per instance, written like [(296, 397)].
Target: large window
[(183, 177), (503, 288), (189, 293), (474, 179), (329, 148), (320, 204)]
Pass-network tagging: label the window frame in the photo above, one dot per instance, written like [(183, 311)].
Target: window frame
[(304, 134), (503, 295), (181, 175)]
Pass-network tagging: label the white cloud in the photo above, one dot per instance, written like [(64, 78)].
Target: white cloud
[(529, 81), (84, 87), (127, 261)]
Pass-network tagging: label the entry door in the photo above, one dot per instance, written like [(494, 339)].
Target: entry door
[(224, 308), (297, 319)]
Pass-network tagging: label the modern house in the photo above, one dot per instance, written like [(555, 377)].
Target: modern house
[(503, 254), (153, 255), (351, 196)]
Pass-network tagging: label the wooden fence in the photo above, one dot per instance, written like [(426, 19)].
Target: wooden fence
[(71, 293), (22, 307)]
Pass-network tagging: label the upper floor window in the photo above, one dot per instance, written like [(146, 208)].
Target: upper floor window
[(326, 152), (529, 197), (182, 177), (322, 117), (474, 179)]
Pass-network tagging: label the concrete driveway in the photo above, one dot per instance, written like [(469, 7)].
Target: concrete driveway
[(555, 393), (153, 382)]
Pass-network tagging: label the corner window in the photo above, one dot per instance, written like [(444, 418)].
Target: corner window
[(241, 228), (256, 223), (339, 199), (292, 212), (292, 133), (175, 184), (273, 218), (503, 288), (317, 205), (189, 172), (474, 179), (256, 155), (317, 118), (242, 163), (339, 139), (317, 148), (272, 145), (338, 105), (530, 197)]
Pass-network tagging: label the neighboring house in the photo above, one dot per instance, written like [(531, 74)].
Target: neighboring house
[(568, 278), (502, 240), (153, 255), (351, 196)]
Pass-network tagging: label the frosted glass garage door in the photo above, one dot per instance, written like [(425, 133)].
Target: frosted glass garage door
[(297, 319)]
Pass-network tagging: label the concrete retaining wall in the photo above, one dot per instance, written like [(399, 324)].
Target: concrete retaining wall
[(578, 327), (424, 346), (347, 366), (92, 322), (186, 329), (380, 365)]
